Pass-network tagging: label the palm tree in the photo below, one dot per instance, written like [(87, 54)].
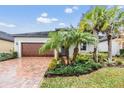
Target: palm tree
[(67, 42), (91, 21), (54, 42), (66, 39), (78, 38), (113, 19)]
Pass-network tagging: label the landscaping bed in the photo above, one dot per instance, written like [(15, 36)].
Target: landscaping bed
[(78, 68), (82, 65), (6, 56)]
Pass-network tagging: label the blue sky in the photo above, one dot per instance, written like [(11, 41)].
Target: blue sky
[(23, 19)]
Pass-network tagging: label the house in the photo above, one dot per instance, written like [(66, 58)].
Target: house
[(117, 44), (27, 45), (6, 42)]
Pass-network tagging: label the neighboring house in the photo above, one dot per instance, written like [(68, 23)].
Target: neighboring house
[(6, 42), (27, 45)]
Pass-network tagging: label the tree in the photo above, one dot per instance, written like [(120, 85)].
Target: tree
[(80, 37), (54, 42), (92, 21), (113, 19), (66, 39)]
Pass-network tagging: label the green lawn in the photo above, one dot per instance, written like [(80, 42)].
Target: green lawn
[(120, 59), (104, 78)]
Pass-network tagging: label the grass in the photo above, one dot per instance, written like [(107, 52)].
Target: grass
[(112, 77), (120, 59)]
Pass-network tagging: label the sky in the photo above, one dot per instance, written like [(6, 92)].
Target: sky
[(24, 19)]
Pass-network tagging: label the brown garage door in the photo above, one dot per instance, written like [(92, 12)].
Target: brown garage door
[(31, 50)]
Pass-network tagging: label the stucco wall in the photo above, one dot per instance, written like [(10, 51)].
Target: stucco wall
[(103, 47), (6, 46), (19, 40)]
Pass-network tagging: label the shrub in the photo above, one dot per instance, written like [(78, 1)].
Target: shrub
[(53, 64), (102, 57), (14, 54), (77, 68), (83, 57), (119, 62), (122, 52), (6, 56)]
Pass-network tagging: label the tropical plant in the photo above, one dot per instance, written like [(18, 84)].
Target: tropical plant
[(67, 39), (92, 21), (78, 38), (54, 42), (113, 20)]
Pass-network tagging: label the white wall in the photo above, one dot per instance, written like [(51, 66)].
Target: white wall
[(19, 40), (103, 47)]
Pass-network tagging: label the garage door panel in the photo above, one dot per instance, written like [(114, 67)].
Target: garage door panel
[(32, 49)]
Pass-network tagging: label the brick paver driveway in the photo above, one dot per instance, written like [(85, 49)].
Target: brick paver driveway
[(24, 72)]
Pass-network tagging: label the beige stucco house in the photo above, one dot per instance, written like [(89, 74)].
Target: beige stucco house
[(6, 42), (27, 44)]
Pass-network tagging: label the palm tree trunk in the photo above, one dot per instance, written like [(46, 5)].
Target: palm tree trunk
[(57, 54), (109, 48), (75, 53), (95, 52), (67, 55)]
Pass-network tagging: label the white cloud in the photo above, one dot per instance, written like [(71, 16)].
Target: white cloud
[(7, 25), (62, 24), (44, 14), (75, 7), (54, 19), (68, 10), (71, 9), (43, 20), (46, 20)]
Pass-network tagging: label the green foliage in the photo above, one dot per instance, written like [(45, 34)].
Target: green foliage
[(119, 62), (122, 52), (76, 68), (66, 39), (83, 57), (14, 54), (6, 56), (102, 57), (53, 64)]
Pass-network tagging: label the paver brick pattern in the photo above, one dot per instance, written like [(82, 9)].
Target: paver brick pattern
[(26, 72)]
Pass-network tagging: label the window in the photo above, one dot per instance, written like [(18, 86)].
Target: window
[(83, 46)]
